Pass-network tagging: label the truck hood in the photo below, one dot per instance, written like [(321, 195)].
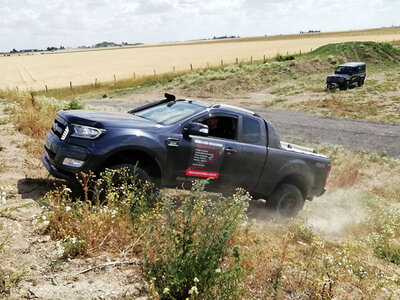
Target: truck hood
[(340, 75), (105, 119)]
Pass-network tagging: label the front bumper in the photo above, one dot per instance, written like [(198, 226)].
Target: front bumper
[(55, 172), (56, 150)]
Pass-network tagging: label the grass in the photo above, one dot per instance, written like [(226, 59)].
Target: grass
[(33, 116), (8, 278), (186, 250)]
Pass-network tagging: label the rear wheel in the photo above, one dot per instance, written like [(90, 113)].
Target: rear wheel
[(286, 200), (360, 83)]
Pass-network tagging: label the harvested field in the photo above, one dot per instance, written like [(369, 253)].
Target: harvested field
[(83, 67)]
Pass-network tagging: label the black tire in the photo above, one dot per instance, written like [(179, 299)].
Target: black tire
[(141, 173), (360, 83), (344, 86), (286, 200)]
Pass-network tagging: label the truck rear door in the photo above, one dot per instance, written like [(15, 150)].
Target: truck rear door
[(253, 137)]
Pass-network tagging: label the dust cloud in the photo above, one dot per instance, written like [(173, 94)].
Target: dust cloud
[(331, 215)]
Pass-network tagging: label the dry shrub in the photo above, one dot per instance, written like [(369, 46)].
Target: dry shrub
[(96, 222), (189, 245)]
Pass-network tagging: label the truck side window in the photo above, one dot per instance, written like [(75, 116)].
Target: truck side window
[(251, 132), (221, 127)]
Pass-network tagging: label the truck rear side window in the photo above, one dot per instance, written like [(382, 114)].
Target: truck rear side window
[(251, 131)]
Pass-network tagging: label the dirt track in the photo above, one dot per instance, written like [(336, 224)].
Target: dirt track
[(303, 128), (351, 134)]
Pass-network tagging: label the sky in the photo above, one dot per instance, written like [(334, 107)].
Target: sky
[(38, 24)]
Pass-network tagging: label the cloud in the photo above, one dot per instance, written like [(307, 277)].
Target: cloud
[(39, 23)]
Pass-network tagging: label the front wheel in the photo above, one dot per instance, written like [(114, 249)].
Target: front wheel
[(286, 200), (344, 86), (133, 175), (360, 83)]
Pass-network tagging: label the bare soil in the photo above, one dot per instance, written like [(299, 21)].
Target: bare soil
[(33, 258)]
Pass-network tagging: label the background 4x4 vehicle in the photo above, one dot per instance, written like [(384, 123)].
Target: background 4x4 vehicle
[(346, 75)]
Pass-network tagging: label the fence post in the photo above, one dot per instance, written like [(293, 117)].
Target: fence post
[(154, 72), (174, 69), (300, 51), (264, 57), (237, 60), (222, 63), (46, 88), (70, 85), (134, 75), (251, 59), (115, 79), (95, 82), (191, 67)]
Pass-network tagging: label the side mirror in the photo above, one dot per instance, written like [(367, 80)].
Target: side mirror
[(195, 128)]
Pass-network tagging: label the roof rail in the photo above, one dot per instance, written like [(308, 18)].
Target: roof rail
[(235, 108)]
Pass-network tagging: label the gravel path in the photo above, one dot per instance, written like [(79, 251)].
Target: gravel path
[(351, 134), (303, 128)]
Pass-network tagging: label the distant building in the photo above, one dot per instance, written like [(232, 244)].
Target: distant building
[(28, 50)]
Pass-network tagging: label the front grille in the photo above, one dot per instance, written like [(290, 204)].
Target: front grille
[(335, 79), (58, 127)]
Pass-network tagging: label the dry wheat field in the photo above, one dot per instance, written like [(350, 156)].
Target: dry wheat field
[(36, 71)]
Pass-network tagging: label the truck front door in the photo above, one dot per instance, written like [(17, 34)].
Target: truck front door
[(216, 156)]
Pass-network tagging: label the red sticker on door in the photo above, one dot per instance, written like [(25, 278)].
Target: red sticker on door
[(206, 159)]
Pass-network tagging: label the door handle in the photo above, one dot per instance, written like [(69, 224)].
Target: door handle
[(230, 150)]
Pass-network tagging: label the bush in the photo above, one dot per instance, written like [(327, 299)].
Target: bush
[(87, 226), (284, 58), (188, 245), (75, 104), (187, 242)]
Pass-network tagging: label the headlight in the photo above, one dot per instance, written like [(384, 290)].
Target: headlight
[(86, 132)]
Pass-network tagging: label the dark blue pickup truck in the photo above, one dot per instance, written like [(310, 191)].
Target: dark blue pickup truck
[(175, 141)]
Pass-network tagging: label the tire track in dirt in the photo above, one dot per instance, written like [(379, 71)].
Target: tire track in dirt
[(24, 73)]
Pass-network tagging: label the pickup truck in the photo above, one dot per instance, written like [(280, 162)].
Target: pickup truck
[(175, 141)]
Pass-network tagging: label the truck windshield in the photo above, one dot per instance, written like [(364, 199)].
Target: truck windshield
[(344, 70), (170, 113)]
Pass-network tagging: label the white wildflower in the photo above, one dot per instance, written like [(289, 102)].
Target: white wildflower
[(193, 290)]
